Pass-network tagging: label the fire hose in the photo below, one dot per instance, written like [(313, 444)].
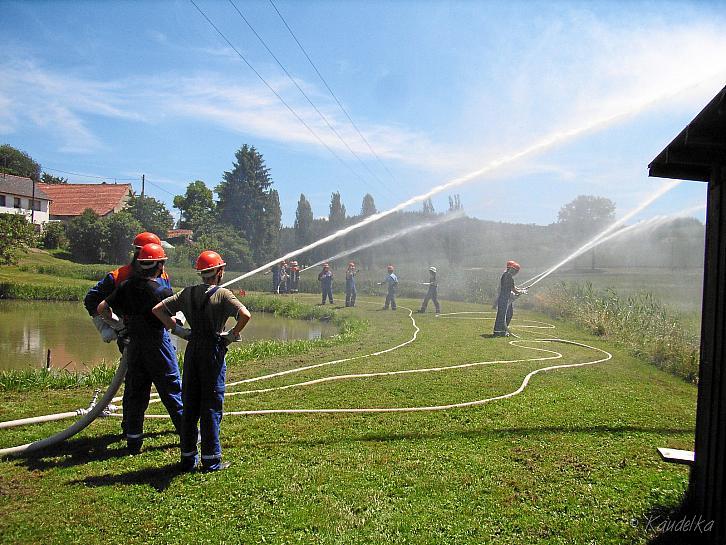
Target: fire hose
[(88, 416)]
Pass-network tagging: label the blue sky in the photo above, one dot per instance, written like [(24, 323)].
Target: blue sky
[(439, 89)]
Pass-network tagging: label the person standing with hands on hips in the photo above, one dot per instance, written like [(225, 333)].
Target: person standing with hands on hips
[(207, 306)]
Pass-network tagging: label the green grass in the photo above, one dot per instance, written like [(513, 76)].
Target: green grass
[(569, 461)]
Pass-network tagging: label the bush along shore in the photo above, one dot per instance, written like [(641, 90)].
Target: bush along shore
[(649, 329), (348, 329)]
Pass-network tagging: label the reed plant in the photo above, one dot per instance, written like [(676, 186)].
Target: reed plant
[(650, 330), (21, 380)]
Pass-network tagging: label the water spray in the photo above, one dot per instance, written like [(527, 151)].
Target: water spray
[(391, 236), (598, 239), (541, 145)]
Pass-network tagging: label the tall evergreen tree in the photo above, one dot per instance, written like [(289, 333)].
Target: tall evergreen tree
[(303, 222), (337, 212), (246, 201), (428, 207), (368, 208), (272, 227)]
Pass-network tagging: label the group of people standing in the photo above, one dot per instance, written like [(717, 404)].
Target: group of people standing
[(135, 306), (285, 277)]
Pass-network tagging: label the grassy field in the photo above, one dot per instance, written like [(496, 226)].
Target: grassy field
[(570, 460)]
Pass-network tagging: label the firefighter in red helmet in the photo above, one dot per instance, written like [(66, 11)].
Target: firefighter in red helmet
[(207, 306), (507, 290)]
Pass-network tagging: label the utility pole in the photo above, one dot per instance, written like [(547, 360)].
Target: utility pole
[(32, 204), (143, 183)]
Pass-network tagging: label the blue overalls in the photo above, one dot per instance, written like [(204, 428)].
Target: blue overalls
[(101, 291), (432, 295), (150, 355), (392, 281), (350, 291), (326, 282), (203, 387), (504, 305)]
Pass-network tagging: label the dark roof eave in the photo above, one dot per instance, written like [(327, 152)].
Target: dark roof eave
[(692, 154)]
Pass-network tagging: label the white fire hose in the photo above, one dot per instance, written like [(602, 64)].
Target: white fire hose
[(89, 415)]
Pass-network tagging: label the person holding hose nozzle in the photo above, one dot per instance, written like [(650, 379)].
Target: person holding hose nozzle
[(325, 277), (105, 287), (505, 309), (392, 281), (432, 294), (207, 306), (150, 355)]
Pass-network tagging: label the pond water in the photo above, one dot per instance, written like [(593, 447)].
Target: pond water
[(28, 329)]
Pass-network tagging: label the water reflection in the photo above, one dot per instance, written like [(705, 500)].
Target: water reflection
[(28, 329)]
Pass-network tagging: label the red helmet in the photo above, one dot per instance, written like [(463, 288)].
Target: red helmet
[(209, 260), (146, 238), (150, 254), (390, 267), (513, 265)]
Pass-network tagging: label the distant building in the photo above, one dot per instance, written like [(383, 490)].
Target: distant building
[(70, 200), (179, 236), (16, 197)]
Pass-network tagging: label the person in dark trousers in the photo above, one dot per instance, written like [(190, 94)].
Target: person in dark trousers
[(504, 300), (433, 293), (294, 277), (207, 306), (392, 282), (325, 277), (104, 288), (150, 355), (350, 291), (275, 270)]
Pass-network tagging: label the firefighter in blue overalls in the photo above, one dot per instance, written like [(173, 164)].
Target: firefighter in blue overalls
[(150, 355), (350, 291), (507, 290), (432, 294), (207, 308), (325, 277), (105, 287), (392, 282)]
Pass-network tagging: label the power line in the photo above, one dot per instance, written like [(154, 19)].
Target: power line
[(264, 81), (90, 175), (329, 89), (160, 188), (303, 93)]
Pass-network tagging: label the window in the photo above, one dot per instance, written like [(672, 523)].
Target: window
[(16, 202), (2, 200), (36, 205)]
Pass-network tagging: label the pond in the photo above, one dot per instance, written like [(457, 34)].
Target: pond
[(28, 329)]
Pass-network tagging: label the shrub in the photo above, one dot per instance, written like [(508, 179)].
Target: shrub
[(16, 235)]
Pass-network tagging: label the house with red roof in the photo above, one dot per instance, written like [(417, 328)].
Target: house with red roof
[(70, 200), (18, 195)]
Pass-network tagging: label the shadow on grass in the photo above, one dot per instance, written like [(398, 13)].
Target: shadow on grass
[(159, 478), (678, 525), (87, 449), (491, 433)]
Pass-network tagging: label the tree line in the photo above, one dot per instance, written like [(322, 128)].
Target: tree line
[(244, 224)]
